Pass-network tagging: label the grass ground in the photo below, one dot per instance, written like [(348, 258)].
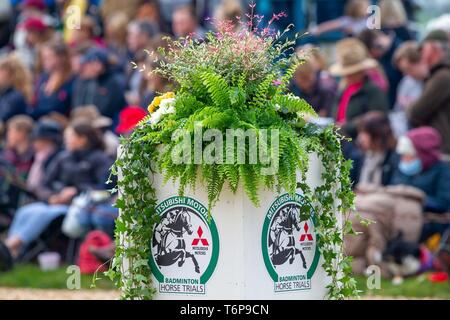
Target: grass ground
[(30, 276)]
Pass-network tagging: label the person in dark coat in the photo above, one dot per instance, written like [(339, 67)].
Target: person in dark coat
[(421, 167), (54, 87), (82, 167), (98, 85), (15, 88), (376, 139)]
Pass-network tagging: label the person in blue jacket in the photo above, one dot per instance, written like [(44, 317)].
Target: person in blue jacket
[(15, 88), (54, 87)]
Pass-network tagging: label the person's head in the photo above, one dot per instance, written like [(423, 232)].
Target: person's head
[(86, 31), (419, 150), (392, 13), (229, 10), (13, 73), (18, 131), (55, 57), (116, 29), (408, 60), (305, 77), (375, 133), (81, 135), (94, 63), (435, 47), (154, 81), (46, 134), (140, 34), (184, 21), (376, 42), (352, 61), (76, 55), (357, 9), (36, 31)]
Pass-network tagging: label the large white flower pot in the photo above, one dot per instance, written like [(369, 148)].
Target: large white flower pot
[(232, 255)]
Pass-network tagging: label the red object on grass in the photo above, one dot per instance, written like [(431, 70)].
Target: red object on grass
[(438, 277), (87, 262)]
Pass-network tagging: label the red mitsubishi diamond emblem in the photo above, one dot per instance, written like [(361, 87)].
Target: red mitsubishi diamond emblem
[(306, 234), (200, 239)]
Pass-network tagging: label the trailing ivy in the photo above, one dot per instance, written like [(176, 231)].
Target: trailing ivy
[(222, 85)]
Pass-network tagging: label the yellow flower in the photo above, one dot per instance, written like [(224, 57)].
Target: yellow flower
[(157, 101)]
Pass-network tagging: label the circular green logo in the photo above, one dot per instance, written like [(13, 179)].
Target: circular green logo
[(184, 247), (288, 243)]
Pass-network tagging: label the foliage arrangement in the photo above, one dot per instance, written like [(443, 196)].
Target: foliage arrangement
[(237, 78)]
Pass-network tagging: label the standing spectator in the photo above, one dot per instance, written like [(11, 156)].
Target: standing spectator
[(18, 150), (54, 87), (307, 85), (185, 23), (433, 106), (381, 47), (83, 166), (15, 88), (376, 140), (358, 94), (98, 86)]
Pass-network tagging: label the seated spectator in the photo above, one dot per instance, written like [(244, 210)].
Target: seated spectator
[(433, 106), (83, 166), (102, 124), (185, 23), (352, 23), (86, 33), (15, 88), (97, 85), (420, 167), (18, 150), (54, 88), (359, 95), (394, 18), (47, 140), (376, 140), (307, 85)]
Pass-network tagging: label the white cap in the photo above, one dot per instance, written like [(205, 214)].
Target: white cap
[(406, 147)]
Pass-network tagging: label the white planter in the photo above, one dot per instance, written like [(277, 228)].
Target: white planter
[(232, 252)]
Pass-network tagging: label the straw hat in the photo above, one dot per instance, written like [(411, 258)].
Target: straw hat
[(90, 114), (352, 57)]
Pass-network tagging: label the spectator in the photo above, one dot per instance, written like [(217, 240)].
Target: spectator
[(230, 10), (87, 33), (307, 85), (394, 18), (352, 23), (376, 140), (139, 41), (359, 95), (47, 140), (18, 150), (420, 167), (433, 106), (83, 166), (185, 23), (153, 83), (98, 86), (15, 88), (381, 47), (54, 87), (116, 37)]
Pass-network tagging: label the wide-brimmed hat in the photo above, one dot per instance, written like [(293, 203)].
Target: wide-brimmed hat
[(352, 57), (91, 114)]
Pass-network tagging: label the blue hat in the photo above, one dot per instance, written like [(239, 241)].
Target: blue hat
[(48, 129), (95, 54)]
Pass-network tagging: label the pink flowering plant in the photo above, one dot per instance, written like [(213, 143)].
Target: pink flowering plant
[(236, 78)]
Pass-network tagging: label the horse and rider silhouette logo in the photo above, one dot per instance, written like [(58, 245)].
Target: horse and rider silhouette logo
[(169, 238), (282, 241)]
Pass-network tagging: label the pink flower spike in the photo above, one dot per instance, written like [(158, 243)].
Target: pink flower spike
[(276, 82)]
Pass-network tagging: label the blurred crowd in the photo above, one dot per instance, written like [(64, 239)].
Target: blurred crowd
[(72, 82)]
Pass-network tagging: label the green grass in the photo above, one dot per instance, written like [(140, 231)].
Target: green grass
[(30, 276), (414, 287)]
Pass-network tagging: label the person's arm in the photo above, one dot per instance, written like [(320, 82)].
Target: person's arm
[(51, 178), (433, 97), (100, 173), (440, 202), (332, 25)]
